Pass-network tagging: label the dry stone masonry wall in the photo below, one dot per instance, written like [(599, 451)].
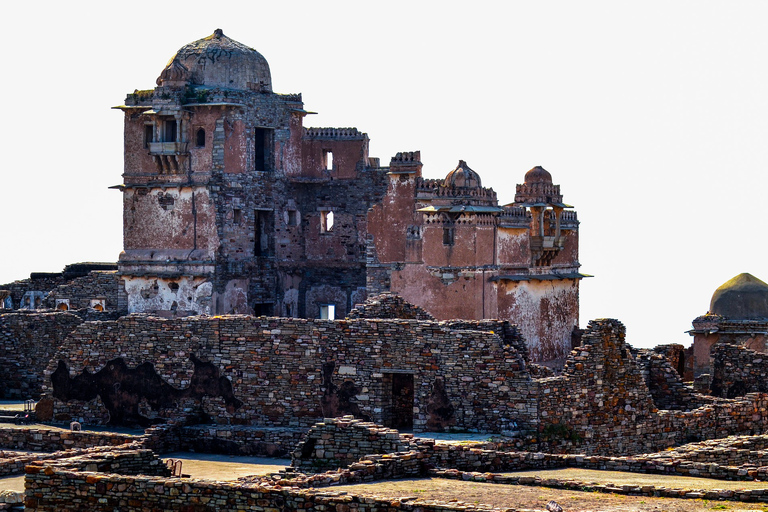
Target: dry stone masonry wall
[(290, 373), (737, 370), (293, 372), (28, 341)]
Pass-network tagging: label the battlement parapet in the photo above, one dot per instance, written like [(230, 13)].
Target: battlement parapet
[(335, 133)]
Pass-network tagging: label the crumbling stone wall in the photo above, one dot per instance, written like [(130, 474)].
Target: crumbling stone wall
[(28, 341), (601, 386), (338, 442), (389, 305), (287, 372), (52, 440), (664, 382), (737, 370), (293, 372), (679, 357), (80, 291), (41, 282), (239, 440), (601, 404)]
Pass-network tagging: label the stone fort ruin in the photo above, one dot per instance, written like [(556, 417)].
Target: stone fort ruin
[(233, 206), (275, 277)]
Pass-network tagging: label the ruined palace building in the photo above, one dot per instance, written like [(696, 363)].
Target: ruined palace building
[(232, 206)]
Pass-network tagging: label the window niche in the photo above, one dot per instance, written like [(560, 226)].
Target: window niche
[(327, 311), (327, 160), (326, 221), (261, 154), (200, 138), (169, 127), (149, 134), (448, 235)]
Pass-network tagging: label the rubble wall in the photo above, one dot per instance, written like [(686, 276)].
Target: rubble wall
[(294, 372), (99, 285), (28, 341), (737, 370)]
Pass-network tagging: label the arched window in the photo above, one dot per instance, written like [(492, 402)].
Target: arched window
[(200, 138)]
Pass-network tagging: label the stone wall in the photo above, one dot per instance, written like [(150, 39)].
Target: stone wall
[(737, 370), (337, 443), (52, 440), (239, 440), (38, 282), (28, 341), (49, 489), (97, 285), (389, 305), (601, 404), (276, 373), (293, 372), (664, 382)]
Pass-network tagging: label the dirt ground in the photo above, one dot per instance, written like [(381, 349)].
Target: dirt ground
[(535, 498)]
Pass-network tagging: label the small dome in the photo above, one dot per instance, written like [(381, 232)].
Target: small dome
[(462, 176), (744, 297), (538, 175), (218, 61)]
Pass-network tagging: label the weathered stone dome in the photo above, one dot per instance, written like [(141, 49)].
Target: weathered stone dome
[(538, 175), (744, 297), (462, 176), (218, 61)]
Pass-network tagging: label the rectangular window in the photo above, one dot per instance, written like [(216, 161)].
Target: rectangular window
[(262, 228), (293, 217), (448, 237), (327, 311), (261, 145), (328, 160), (149, 134), (326, 221), (237, 216), (170, 131)]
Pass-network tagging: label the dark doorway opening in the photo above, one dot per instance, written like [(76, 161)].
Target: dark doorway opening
[(681, 366), (262, 309), (398, 403), (261, 151)]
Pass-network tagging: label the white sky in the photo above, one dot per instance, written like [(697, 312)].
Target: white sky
[(650, 115)]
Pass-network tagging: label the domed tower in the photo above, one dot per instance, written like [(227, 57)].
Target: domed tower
[(545, 202), (202, 151), (738, 315), (462, 177), (217, 61), (228, 198)]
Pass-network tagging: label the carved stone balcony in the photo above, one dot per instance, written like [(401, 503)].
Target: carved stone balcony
[(545, 248), (168, 148), (170, 157)]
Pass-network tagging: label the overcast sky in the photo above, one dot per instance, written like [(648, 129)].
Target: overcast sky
[(652, 116)]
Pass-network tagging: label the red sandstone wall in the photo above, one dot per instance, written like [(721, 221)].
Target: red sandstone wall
[(137, 159), (236, 143), (346, 155), (514, 247), (458, 296), (147, 225), (388, 220)]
